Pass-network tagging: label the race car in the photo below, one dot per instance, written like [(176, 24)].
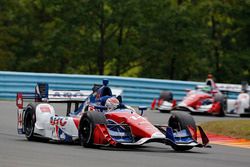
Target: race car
[(102, 120), (240, 106), (204, 99)]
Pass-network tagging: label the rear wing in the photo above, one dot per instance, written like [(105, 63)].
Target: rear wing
[(44, 94), (225, 87), (234, 88), (229, 89)]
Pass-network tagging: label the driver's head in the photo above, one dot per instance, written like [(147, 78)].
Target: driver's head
[(112, 103), (209, 76)]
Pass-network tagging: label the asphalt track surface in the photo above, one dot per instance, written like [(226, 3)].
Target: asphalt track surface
[(16, 151)]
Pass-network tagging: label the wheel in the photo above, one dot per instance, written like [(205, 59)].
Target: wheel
[(178, 121), (223, 103), (246, 113), (87, 125), (29, 122), (166, 96)]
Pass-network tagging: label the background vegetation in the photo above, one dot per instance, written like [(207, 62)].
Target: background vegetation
[(172, 39), (233, 128)]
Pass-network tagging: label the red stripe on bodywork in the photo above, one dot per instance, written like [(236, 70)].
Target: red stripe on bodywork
[(76, 121), (45, 109)]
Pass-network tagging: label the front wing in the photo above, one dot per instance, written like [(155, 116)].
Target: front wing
[(181, 138)]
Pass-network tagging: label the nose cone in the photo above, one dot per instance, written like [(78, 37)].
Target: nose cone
[(158, 135)]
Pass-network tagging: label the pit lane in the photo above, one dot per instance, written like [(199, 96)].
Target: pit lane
[(16, 151)]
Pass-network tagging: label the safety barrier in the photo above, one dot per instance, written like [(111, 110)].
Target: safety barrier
[(136, 91)]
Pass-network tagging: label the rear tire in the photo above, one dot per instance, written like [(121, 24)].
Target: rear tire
[(87, 125), (178, 121), (29, 122)]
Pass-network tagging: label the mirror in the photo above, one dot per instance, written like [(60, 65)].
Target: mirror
[(142, 108)]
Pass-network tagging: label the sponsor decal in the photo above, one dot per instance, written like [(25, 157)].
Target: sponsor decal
[(19, 101), (243, 96), (45, 109), (59, 121), (67, 94)]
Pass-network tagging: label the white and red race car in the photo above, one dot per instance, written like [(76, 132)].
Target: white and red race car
[(92, 123), (240, 106), (203, 99), (209, 98)]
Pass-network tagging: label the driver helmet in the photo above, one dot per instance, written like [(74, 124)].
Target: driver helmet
[(112, 103)]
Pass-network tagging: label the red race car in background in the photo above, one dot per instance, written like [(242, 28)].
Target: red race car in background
[(204, 99)]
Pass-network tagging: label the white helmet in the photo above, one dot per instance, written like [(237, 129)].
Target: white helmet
[(111, 103)]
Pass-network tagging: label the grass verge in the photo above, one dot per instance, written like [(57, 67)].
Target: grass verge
[(232, 128)]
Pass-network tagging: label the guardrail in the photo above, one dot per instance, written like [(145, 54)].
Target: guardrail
[(136, 91)]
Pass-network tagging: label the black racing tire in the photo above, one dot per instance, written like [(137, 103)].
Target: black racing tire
[(87, 125), (166, 96), (180, 120), (219, 97), (29, 122), (246, 113)]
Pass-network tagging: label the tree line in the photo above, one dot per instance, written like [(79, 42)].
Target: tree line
[(168, 39)]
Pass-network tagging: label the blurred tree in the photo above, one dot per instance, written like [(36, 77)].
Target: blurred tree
[(222, 21), (172, 39), (7, 56)]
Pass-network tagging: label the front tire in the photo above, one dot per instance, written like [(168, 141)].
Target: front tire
[(87, 125), (223, 104), (178, 121)]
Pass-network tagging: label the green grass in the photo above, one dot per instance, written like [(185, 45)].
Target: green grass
[(233, 128)]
